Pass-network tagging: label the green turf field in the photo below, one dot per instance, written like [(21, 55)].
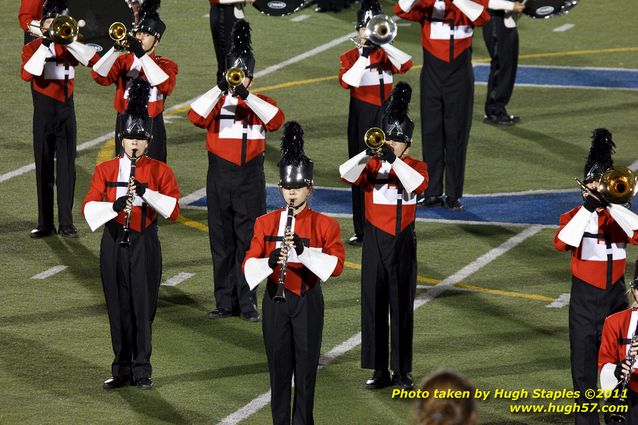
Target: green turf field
[(493, 326)]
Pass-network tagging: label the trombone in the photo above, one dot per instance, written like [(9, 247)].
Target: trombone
[(617, 185), (63, 30), (374, 138), (117, 32), (235, 76), (379, 30)]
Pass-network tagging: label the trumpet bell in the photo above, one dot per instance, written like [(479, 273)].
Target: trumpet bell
[(381, 29), (117, 31), (618, 185), (235, 76), (374, 138), (63, 30)]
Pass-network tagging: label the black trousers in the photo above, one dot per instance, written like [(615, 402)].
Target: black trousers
[(157, 146), (388, 281), (447, 98), (131, 280), (236, 196), (588, 308), (54, 137), (292, 336), (502, 44), (361, 117), (222, 19)]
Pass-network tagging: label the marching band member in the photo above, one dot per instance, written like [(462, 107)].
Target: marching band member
[(237, 122), (49, 65), (308, 245), (447, 89), (391, 180), (120, 68), (501, 38), (596, 237), (367, 72), (30, 17), (138, 187), (618, 339)]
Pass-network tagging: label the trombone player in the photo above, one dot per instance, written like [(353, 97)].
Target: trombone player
[(119, 67), (367, 71), (48, 64), (596, 234)]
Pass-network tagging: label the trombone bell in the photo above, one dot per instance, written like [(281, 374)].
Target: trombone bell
[(235, 76), (63, 30), (374, 139), (618, 185), (381, 29)]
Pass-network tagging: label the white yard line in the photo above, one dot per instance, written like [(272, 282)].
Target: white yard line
[(559, 302), (563, 28), (263, 400), (50, 272), (300, 18), (178, 278)]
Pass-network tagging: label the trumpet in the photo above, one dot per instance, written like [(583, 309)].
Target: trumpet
[(379, 30), (63, 30), (117, 32), (235, 76), (617, 185), (374, 138)]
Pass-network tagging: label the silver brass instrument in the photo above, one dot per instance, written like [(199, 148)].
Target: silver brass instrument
[(280, 295), (617, 185), (379, 30), (374, 139), (126, 233), (117, 32)]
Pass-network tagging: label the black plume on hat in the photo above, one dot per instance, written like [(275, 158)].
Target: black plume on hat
[(53, 8), (599, 158), (295, 168), (149, 20), (367, 10), (240, 53), (135, 122), (396, 123)]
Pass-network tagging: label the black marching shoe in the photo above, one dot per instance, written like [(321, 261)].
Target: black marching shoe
[(144, 383), (115, 382), (219, 313), (501, 119), (355, 240), (379, 379), (69, 231), (253, 316), (430, 201), (42, 232), (403, 380), (454, 205)]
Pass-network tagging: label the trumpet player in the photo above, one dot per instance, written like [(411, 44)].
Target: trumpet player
[(367, 71), (312, 252), (134, 185), (120, 67), (596, 240), (391, 180), (48, 64)]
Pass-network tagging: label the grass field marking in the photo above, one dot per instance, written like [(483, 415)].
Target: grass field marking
[(192, 223), (263, 400), (49, 272), (564, 27), (300, 18), (562, 86), (560, 302), (178, 278)]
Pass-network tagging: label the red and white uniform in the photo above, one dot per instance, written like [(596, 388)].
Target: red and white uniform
[(110, 181), (601, 251), (446, 32), (235, 132), (30, 13), (318, 232), (127, 67), (617, 332), (385, 196), (378, 69)]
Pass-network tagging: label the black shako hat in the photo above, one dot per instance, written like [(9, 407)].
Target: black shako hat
[(396, 123), (599, 158), (367, 10), (295, 168), (240, 54), (149, 20), (134, 122)]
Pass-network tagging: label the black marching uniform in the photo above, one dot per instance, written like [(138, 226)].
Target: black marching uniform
[(293, 328)]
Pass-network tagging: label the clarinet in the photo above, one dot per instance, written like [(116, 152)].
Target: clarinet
[(125, 242), (618, 393), (280, 295)]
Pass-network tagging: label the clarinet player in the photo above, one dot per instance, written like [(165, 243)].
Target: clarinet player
[(127, 194)]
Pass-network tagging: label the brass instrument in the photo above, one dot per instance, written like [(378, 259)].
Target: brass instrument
[(379, 30), (235, 76), (617, 185), (63, 30), (126, 233), (280, 295), (117, 32), (374, 139)]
